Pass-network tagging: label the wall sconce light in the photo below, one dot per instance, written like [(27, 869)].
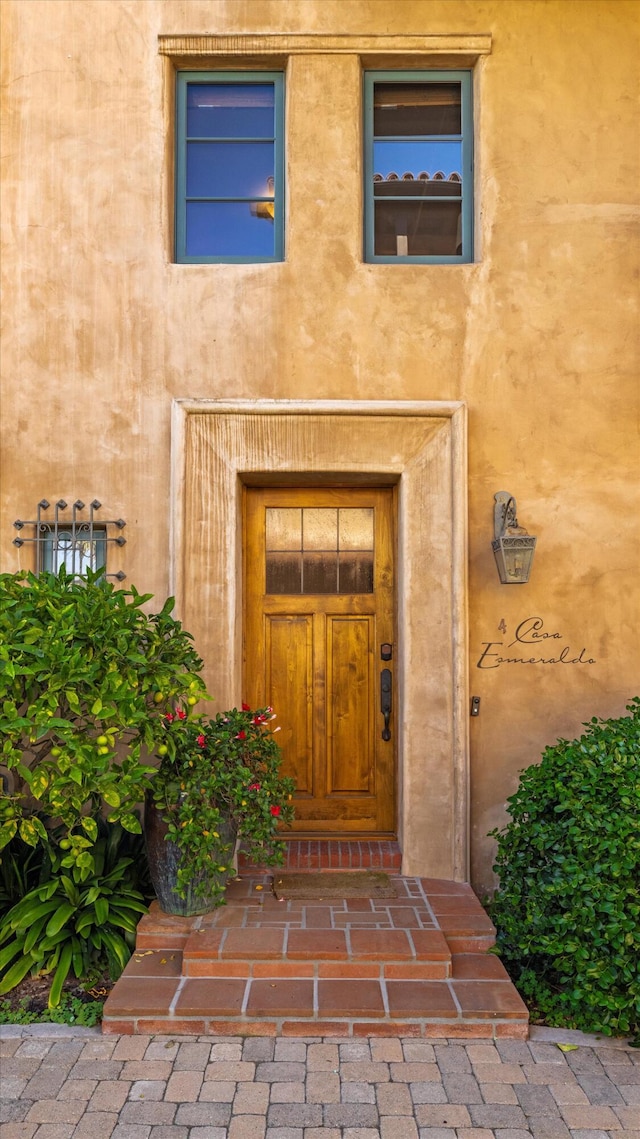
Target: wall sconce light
[(512, 546)]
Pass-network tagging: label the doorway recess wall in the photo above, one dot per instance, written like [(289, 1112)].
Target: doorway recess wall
[(217, 446)]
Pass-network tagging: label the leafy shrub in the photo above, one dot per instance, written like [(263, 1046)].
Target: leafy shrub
[(83, 674), (567, 910), (72, 922)]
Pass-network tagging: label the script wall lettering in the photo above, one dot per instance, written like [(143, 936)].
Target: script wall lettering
[(532, 644)]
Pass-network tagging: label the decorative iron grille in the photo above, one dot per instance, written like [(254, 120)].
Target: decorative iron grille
[(78, 543)]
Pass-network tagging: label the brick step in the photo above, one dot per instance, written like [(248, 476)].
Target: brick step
[(412, 965)]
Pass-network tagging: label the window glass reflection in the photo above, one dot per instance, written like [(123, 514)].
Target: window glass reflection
[(230, 110), (230, 169), (228, 229), (417, 158), (417, 228), (417, 109)]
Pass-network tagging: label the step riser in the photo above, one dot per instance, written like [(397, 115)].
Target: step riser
[(203, 1026), (436, 971)]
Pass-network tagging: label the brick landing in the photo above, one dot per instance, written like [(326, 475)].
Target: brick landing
[(414, 965)]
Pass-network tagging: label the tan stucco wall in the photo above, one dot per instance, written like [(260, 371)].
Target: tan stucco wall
[(539, 337)]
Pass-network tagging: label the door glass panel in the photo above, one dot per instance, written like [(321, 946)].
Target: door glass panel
[(356, 529), (319, 550), (284, 573), (355, 572), (320, 529), (320, 573), (284, 529)]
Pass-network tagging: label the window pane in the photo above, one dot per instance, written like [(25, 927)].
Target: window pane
[(320, 529), (230, 110), (230, 169), (229, 229), (76, 553), (356, 572), (421, 228), (284, 573), (320, 573), (417, 158), (416, 108), (283, 528)]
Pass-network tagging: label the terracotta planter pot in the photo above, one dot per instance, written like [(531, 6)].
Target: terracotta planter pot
[(164, 862)]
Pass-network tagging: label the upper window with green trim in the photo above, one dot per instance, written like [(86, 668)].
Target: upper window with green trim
[(230, 166), (418, 166)]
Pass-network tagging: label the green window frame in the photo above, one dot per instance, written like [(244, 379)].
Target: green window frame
[(414, 120), (229, 167)]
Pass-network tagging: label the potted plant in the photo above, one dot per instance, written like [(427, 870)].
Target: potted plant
[(218, 781)]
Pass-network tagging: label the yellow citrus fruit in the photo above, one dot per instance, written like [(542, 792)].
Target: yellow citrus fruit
[(102, 740), (158, 697), (192, 700), (163, 749)]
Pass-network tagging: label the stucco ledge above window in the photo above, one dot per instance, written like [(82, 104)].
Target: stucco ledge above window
[(374, 50)]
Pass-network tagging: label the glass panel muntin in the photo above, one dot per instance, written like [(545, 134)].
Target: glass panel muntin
[(319, 550)]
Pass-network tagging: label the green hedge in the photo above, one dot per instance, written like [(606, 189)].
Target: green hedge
[(567, 909)]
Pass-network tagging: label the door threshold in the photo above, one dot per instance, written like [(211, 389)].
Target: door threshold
[(302, 854)]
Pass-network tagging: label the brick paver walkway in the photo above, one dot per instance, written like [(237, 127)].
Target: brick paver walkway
[(145, 1087)]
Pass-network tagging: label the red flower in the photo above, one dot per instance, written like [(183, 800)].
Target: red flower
[(254, 786), (181, 715), (246, 707), (200, 740), (242, 735), (259, 719), (275, 810), (169, 717)]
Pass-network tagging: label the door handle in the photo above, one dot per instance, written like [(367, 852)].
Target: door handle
[(385, 701)]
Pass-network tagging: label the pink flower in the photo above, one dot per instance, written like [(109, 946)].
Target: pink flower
[(200, 740), (242, 735), (275, 810), (181, 715)]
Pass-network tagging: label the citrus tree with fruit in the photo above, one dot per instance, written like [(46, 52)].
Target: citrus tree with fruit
[(86, 677)]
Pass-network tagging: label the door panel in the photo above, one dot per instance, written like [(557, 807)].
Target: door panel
[(349, 704), (289, 682), (319, 590)]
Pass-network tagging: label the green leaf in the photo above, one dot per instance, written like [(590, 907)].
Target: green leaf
[(15, 975), (60, 918), (60, 977)]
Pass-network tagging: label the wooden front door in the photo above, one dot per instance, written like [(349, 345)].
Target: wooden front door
[(318, 632)]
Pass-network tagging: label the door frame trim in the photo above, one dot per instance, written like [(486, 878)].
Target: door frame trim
[(218, 444)]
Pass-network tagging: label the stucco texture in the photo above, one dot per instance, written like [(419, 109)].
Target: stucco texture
[(538, 337)]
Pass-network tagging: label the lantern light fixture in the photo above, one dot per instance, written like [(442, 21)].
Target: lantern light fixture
[(513, 547)]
